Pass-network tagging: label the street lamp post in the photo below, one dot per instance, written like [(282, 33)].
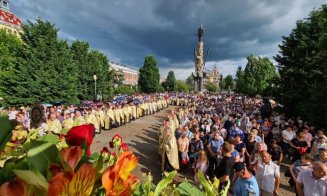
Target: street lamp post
[(95, 86)]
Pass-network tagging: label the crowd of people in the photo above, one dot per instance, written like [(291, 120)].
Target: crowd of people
[(233, 138), (244, 141), (103, 116)]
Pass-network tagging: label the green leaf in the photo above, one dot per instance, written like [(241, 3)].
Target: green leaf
[(31, 135), (206, 185), (33, 179), (6, 173), (95, 156), (186, 188), (41, 154), (164, 182), (5, 131), (64, 131), (225, 190), (52, 138)]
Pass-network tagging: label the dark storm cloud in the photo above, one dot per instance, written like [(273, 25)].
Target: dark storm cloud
[(128, 30)]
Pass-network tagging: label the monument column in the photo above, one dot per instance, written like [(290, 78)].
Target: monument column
[(198, 58)]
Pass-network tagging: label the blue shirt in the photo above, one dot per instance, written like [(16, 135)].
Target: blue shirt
[(258, 139), (215, 145), (235, 153), (246, 187), (235, 131)]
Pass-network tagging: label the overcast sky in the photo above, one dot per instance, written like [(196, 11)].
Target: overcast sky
[(129, 30)]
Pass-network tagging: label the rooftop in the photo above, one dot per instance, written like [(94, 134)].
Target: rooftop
[(7, 17), (122, 67)]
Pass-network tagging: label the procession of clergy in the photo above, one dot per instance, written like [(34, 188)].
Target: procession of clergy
[(103, 117)]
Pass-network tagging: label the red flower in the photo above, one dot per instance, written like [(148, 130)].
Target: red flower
[(71, 155), (60, 137), (104, 150), (13, 187), (77, 135), (116, 140), (123, 147), (111, 145), (55, 169)]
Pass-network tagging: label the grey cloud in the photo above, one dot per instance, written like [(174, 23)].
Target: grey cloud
[(131, 29)]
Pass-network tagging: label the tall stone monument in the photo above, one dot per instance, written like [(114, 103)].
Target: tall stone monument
[(199, 74)]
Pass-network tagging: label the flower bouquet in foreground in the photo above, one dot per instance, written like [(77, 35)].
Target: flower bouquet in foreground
[(46, 168), (63, 165)]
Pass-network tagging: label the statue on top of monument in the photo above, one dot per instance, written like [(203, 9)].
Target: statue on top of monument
[(200, 33)]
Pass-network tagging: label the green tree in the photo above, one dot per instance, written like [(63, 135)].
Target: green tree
[(90, 63), (190, 83), (222, 85), (9, 47), (211, 87), (149, 76), (124, 90), (229, 82), (44, 70), (256, 77), (239, 80), (302, 66), (170, 83), (100, 65), (181, 86)]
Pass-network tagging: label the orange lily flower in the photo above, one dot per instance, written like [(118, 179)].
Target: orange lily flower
[(117, 179), (68, 183), (13, 188), (71, 155)]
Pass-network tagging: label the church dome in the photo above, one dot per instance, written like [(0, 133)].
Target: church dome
[(7, 18)]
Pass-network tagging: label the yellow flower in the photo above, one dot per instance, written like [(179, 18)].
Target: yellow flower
[(67, 183)]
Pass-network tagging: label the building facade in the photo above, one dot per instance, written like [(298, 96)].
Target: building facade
[(8, 20), (212, 76), (130, 76)]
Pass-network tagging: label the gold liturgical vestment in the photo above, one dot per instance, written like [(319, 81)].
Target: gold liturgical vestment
[(91, 119), (54, 126), (169, 146), (126, 114), (117, 116), (109, 117), (79, 121), (67, 123), (99, 114)]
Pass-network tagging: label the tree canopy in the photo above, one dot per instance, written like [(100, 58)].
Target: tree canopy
[(181, 86), (149, 77), (302, 66), (190, 82), (170, 83), (89, 63), (45, 68), (229, 82), (256, 77), (211, 87), (9, 47)]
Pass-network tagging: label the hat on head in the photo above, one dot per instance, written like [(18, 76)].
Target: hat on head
[(239, 166)]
